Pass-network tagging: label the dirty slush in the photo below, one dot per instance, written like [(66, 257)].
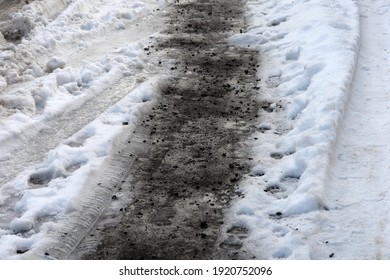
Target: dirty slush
[(193, 152)]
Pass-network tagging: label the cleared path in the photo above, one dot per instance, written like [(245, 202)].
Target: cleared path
[(189, 153)]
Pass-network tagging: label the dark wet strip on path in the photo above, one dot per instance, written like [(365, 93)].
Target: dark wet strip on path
[(193, 152)]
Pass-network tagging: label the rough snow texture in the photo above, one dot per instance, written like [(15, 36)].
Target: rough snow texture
[(70, 52), (36, 84), (52, 188), (308, 53)]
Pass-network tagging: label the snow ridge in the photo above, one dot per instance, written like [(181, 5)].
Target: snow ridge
[(308, 52), (39, 76), (73, 57), (56, 188)]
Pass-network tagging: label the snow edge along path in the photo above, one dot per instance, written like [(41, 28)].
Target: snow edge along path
[(308, 51), (44, 193), (43, 210), (42, 76)]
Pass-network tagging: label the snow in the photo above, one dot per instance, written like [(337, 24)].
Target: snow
[(47, 86), (51, 189), (308, 51), (358, 173), (320, 165), (53, 70), (54, 63)]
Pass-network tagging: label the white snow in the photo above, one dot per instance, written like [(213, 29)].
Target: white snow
[(43, 94), (356, 191), (318, 183), (308, 54), (51, 189), (74, 52)]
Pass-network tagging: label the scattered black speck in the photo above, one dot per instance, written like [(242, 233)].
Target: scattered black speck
[(233, 180), (21, 251), (203, 225), (205, 96)]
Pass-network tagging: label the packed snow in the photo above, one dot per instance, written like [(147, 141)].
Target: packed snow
[(319, 163)]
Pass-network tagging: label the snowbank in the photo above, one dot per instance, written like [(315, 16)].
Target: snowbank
[(50, 191), (308, 54), (39, 77), (69, 53), (63, 89)]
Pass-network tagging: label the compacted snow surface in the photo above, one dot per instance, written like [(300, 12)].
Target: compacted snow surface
[(319, 160)]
